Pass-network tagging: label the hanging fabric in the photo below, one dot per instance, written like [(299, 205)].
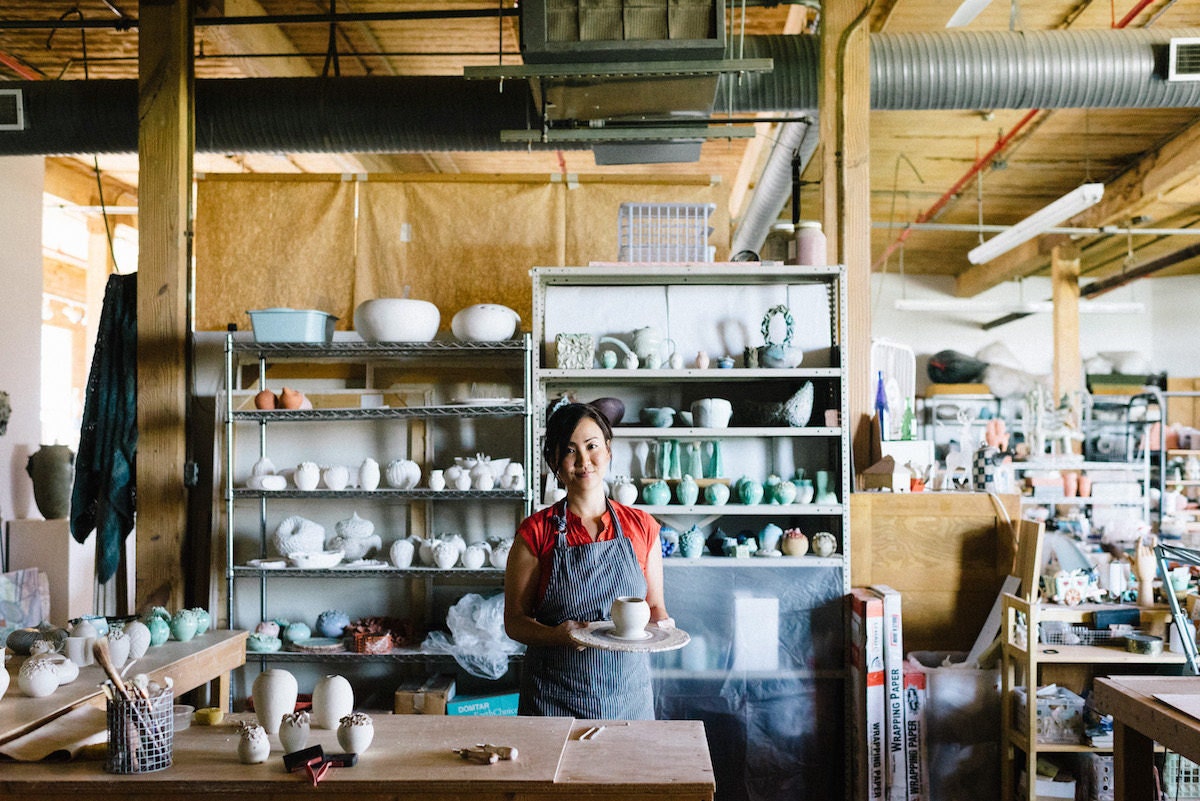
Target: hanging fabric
[(104, 496)]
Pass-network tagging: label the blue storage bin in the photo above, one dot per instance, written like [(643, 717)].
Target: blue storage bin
[(292, 325)]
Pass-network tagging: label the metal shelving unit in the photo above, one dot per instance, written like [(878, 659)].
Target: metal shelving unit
[(361, 369)]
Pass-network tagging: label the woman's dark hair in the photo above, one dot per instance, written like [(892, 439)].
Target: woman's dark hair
[(562, 424)]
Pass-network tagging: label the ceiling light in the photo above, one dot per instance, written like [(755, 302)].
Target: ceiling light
[(1066, 207), (967, 12), (968, 305)]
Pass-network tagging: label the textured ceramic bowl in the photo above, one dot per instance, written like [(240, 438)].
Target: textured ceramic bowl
[(315, 559), (397, 320), (657, 416)]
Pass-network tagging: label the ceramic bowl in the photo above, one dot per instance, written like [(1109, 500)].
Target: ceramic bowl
[(712, 412), (315, 559), (657, 416), (485, 322), (397, 320)]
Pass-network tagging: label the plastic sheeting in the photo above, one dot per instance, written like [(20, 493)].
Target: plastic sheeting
[(763, 672)]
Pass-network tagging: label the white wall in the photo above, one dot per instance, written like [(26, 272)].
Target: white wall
[(21, 182), (1031, 339), (1176, 324)]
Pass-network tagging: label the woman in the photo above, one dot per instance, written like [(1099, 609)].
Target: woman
[(568, 563)]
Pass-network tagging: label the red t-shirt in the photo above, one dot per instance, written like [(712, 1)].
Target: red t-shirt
[(540, 534)]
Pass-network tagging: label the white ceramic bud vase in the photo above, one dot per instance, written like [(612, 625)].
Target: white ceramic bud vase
[(139, 638), (274, 694), (307, 476), (119, 647), (369, 474), (332, 700)]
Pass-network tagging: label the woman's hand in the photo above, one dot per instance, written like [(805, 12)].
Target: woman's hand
[(665, 623), (563, 631)]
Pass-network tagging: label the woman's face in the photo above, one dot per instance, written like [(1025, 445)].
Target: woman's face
[(586, 459)]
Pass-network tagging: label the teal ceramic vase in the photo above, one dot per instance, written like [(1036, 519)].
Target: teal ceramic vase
[(657, 493), (687, 491)]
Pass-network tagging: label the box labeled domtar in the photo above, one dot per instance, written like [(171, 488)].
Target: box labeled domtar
[(505, 704)]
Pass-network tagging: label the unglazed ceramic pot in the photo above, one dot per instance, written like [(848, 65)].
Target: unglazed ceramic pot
[(274, 693), (333, 699), (355, 732), (293, 731), (397, 320), (253, 745), (485, 322)]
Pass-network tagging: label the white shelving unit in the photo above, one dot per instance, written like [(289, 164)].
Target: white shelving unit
[(727, 675)]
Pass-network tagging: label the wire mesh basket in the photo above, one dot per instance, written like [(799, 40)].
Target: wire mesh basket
[(1181, 777), (141, 733), (1079, 635), (664, 232)]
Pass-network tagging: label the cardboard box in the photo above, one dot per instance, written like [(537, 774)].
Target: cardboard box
[(425, 697), (505, 704)]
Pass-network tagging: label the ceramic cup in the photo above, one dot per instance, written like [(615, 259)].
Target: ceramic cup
[(630, 616), (79, 650)]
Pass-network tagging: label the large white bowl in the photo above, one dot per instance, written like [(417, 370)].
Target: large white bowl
[(485, 322), (397, 320)]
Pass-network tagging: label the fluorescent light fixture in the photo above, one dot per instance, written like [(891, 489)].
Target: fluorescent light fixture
[(1066, 207), (1019, 307), (967, 12)]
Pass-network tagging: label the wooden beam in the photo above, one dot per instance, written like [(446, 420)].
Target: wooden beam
[(1167, 169), (1068, 366), (165, 144), (845, 107)]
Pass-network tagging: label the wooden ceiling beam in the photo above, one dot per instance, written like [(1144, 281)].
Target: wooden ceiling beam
[(1166, 169)]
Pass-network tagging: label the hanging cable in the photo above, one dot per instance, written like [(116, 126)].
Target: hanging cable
[(331, 51)]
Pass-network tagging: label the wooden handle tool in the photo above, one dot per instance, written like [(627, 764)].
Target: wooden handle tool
[(100, 651)]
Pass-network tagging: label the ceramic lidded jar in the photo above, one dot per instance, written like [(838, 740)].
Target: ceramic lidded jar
[(687, 491), (624, 491), (253, 744), (657, 493), (52, 469), (274, 692), (332, 700)]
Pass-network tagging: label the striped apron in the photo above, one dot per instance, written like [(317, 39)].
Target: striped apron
[(590, 684)]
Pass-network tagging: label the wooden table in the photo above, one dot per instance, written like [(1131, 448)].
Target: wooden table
[(189, 664), (1139, 721), (411, 758)]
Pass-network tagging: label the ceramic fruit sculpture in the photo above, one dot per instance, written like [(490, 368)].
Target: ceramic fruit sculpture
[(203, 619), (691, 543), (499, 554), (307, 476), (794, 543), (332, 623), (160, 630), (355, 732), (824, 544)]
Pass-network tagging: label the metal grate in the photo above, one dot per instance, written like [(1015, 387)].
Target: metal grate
[(1183, 63), (664, 232), (1078, 635), (1181, 778)]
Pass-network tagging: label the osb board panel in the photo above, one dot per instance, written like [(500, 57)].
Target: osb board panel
[(261, 244), (947, 553), (264, 241), (469, 242)]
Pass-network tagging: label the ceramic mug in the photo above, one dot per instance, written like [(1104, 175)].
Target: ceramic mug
[(630, 616)]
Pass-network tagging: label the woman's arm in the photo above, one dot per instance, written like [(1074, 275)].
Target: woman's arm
[(521, 576)]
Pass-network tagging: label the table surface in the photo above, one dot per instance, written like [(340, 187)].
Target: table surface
[(411, 756), (189, 664), (1130, 700)]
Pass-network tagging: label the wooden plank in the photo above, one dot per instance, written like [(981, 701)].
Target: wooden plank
[(189, 664), (680, 743), (165, 164)]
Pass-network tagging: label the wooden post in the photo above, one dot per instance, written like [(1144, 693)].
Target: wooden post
[(165, 140), (1068, 367), (845, 105)]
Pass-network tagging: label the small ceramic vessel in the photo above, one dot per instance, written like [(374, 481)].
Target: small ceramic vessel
[(355, 732), (499, 555), (38, 678), (401, 553), (369, 474), (332, 700), (139, 638), (293, 731), (253, 744)]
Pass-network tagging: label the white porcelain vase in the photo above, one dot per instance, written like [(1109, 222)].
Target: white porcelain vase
[(333, 699), (274, 693), (403, 474), (307, 476), (38, 677), (254, 746), (369, 474), (336, 477), (119, 647)]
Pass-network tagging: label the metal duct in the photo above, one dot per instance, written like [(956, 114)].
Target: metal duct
[(771, 191), (950, 70), (339, 115), (976, 70)]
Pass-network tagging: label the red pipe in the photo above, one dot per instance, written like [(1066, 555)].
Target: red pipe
[(20, 67), (1128, 18)]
